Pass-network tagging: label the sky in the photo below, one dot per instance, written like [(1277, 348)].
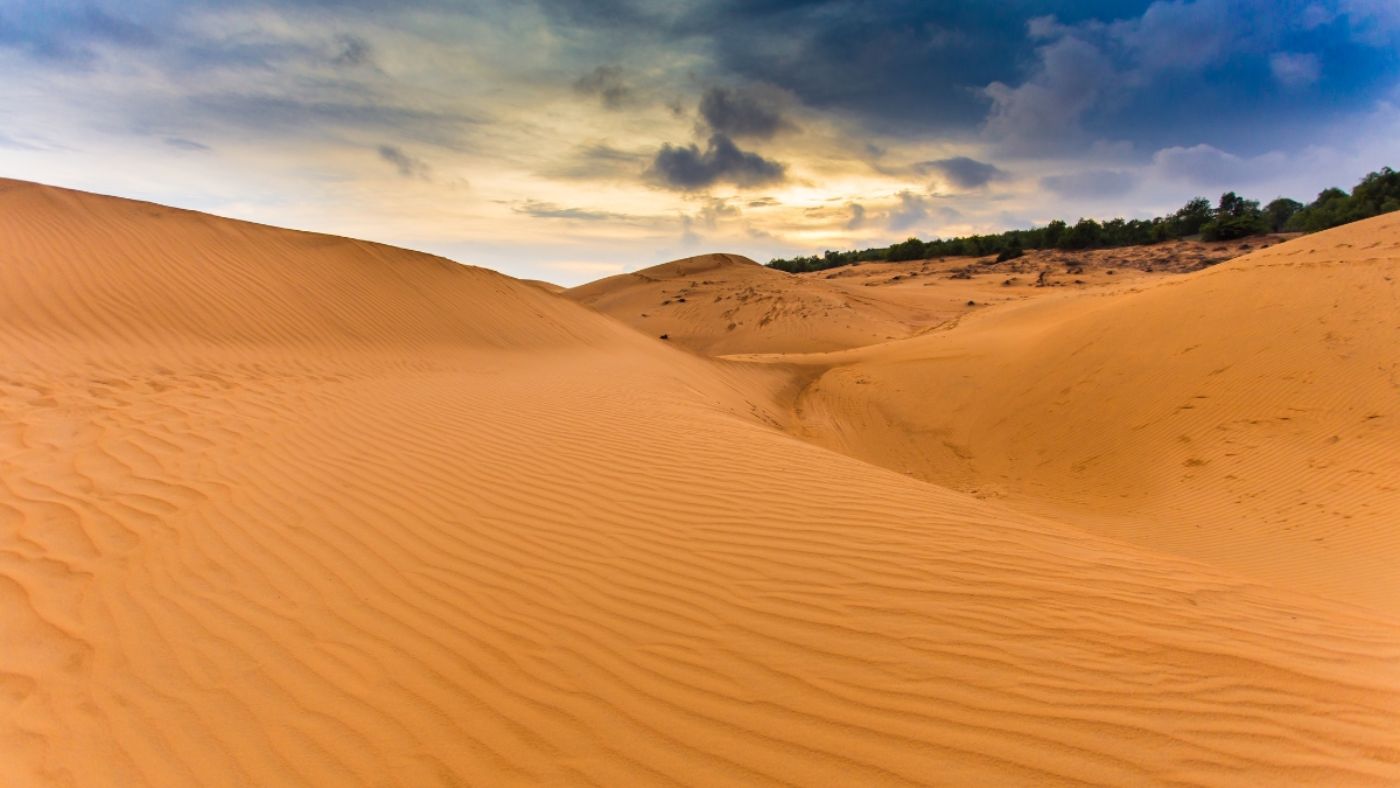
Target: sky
[(573, 140)]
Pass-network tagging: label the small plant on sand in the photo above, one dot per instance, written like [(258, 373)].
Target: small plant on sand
[(1011, 253)]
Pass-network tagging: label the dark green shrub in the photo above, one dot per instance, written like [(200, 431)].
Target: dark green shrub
[(1235, 217), (912, 249), (1189, 219), (1280, 211), (1086, 233)]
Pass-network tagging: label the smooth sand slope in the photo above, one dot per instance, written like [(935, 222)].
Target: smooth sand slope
[(1248, 414), (284, 509)]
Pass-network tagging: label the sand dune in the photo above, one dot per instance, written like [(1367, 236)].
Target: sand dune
[(280, 509), (719, 303), (1246, 415), (722, 304)]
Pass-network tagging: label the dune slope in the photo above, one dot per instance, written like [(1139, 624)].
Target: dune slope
[(284, 509), (722, 303), (1248, 414)]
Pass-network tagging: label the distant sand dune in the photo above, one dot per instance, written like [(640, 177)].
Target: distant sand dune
[(279, 509), (721, 303)]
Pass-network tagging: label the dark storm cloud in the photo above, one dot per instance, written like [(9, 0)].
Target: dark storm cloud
[(1090, 184), (688, 168), (737, 112), (408, 166), (1035, 77), (900, 66), (867, 60), (962, 172), (1241, 65), (1057, 75), (910, 65)]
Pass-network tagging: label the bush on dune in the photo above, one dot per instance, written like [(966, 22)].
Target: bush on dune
[(1280, 211), (1235, 217)]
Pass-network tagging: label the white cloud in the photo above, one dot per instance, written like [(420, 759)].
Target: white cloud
[(1207, 165), (1044, 111), (1173, 34)]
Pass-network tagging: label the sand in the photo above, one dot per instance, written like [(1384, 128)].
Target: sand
[(286, 509), (720, 304), (1246, 415), (725, 304)]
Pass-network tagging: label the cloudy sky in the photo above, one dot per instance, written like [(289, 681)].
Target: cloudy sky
[(568, 140)]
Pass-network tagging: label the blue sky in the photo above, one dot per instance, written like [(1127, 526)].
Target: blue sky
[(569, 140)]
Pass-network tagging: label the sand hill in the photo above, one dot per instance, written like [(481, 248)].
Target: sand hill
[(1247, 414), (284, 509), (720, 303)]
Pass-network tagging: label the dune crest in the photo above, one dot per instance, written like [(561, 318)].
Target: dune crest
[(280, 508)]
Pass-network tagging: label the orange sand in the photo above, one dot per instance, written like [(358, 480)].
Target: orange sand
[(720, 304), (280, 508), (1246, 415)]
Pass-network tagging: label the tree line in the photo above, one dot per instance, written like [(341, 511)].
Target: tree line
[(1231, 218)]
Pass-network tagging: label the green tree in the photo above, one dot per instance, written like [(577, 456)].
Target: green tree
[(1280, 211), (1191, 216), (912, 249), (1331, 208), (1012, 250), (1377, 193), (1085, 234), (1235, 217)]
